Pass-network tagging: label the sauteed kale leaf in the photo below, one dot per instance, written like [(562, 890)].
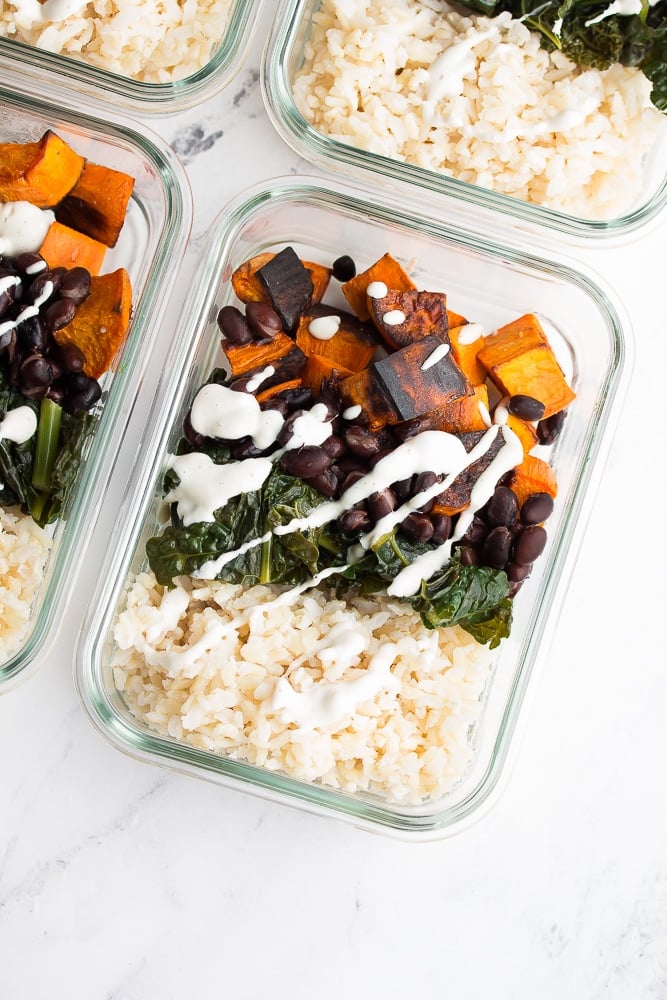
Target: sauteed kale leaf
[(584, 31)]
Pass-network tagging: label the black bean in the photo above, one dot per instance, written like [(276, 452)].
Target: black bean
[(8, 341), (325, 482), (417, 527), (381, 503), (245, 447), (305, 462), (362, 441), (46, 283), (71, 357), (276, 403), (263, 320), (82, 393), (517, 572), (476, 531), (497, 547), (529, 544), (30, 263), (403, 489), (352, 463), (234, 325), (297, 398), (525, 407), (442, 527), (537, 508), (354, 521), (75, 285), (191, 435), (59, 313), (32, 334), (11, 285), (35, 373), (502, 508), (350, 478), (549, 429), (333, 446), (344, 268), (469, 555)]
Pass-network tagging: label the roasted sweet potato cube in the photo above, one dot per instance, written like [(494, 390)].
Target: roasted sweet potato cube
[(365, 390), (353, 344), (269, 392), (279, 353), (456, 319), (534, 475), (421, 377), (405, 317), (67, 247), (457, 495), (248, 287), (386, 270), (97, 204), (101, 321), (466, 340), (519, 359), (320, 372), (524, 430), (41, 172), (289, 286)]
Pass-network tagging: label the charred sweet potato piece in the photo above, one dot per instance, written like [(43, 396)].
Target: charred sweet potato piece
[(41, 172), (466, 340), (352, 346), (280, 353), (319, 372), (289, 286), (421, 377), (534, 475), (365, 390), (248, 288), (97, 204), (386, 270), (101, 322), (264, 395), (457, 496), (519, 359), (405, 317), (66, 247)]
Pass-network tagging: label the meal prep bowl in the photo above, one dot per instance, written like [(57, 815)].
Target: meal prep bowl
[(151, 245), (72, 73), (488, 281), (285, 55)]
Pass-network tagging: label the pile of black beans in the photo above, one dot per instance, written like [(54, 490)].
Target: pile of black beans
[(36, 301), (502, 535)]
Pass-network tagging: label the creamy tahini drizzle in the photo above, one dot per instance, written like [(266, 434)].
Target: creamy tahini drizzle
[(256, 380), (51, 10), (23, 227), (470, 333), (435, 356), (204, 487), (18, 425), (220, 412), (326, 704), (29, 311), (625, 8), (324, 327)]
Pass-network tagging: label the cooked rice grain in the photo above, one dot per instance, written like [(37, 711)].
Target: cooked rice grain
[(154, 41), (24, 547), (212, 691), (365, 83)]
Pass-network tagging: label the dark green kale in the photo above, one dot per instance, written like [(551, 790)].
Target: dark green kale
[(633, 40), (16, 460), (75, 431)]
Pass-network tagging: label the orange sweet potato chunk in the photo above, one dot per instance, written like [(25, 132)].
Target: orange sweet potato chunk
[(465, 351), (41, 172), (101, 322), (534, 475), (387, 270), (97, 204), (65, 247), (520, 360)]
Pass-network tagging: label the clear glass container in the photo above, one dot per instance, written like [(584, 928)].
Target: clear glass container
[(485, 279), (151, 245), (283, 59), (128, 94)]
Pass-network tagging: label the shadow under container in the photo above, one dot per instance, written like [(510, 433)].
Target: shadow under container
[(151, 245), (284, 56), (122, 90), (489, 283)]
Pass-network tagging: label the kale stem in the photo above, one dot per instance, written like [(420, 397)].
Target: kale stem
[(265, 562), (46, 449)]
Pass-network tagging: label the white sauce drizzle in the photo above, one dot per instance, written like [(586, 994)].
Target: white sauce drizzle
[(394, 317), (625, 8), (256, 380), (377, 289), (327, 704), (324, 327), (470, 333), (18, 425), (23, 227), (440, 352), (34, 12), (29, 311), (352, 412), (219, 412), (204, 487), (310, 428)]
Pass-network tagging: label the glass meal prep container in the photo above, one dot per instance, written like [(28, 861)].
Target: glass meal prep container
[(151, 244), (376, 128), (212, 50), (485, 280)]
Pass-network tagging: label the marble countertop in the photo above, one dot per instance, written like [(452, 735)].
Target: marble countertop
[(122, 881)]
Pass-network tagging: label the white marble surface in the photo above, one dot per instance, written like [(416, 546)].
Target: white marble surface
[(120, 881)]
